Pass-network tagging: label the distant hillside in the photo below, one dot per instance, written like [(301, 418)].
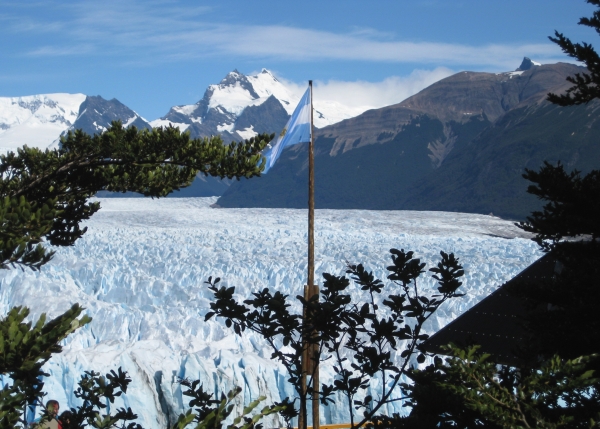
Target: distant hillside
[(486, 175), (461, 144)]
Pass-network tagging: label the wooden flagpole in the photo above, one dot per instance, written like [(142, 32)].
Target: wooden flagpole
[(309, 365), (311, 202), (313, 288)]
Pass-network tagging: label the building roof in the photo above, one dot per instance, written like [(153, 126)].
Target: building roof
[(495, 323)]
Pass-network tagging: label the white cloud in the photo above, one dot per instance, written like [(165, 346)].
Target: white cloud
[(391, 90), (161, 31), (359, 96), (306, 44), (59, 51)]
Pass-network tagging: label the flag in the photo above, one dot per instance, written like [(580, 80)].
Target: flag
[(297, 130)]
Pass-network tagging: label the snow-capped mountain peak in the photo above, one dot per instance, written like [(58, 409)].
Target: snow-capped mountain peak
[(234, 93), (40, 120), (242, 106), (265, 85), (238, 107), (36, 120), (528, 64)]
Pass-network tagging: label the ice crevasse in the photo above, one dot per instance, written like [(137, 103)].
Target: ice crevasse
[(140, 270)]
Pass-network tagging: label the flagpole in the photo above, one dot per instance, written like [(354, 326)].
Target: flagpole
[(309, 362), (311, 200), (313, 364)]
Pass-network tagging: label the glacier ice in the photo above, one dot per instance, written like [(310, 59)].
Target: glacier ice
[(140, 270)]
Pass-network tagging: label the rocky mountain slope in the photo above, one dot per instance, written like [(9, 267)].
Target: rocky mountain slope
[(241, 106), (237, 108), (461, 144), (40, 120)]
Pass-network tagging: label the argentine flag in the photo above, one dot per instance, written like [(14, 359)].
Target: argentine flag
[(297, 130)]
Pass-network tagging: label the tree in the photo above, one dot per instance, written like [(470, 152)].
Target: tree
[(44, 195), (23, 351), (557, 393), (25, 348), (359, 337), (569, 227), (210, 413), (585, 88)]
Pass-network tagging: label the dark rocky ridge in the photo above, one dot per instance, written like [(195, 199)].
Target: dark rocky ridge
[(526, 64), (460, 145), (96, 114), (269, 117), (454, 98)]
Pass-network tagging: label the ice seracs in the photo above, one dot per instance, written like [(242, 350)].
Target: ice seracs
[(140, 270)]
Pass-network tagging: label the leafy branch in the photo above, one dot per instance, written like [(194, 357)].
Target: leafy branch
[(44, 195), (340, 327)]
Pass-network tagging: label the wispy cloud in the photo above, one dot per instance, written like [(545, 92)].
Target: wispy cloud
[(306, 44), (162, 31), (363, 95), (60, 51)]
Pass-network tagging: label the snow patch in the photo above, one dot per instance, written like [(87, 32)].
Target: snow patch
[(186, 110), (130, 121), (164, 123), (233, 98), (514, 73), (100, 128), (247, 133), (226, 127)]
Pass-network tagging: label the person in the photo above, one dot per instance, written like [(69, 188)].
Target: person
[(65, 419), (52, 407)]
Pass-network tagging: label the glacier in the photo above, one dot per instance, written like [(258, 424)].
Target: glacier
[(140, 270)]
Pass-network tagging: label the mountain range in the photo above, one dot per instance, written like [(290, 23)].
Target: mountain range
[(237, 108), (462, 144)]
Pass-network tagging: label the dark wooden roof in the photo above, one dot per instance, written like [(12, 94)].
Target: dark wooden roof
[(495, 322)]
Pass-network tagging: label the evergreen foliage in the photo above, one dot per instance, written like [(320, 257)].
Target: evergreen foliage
[(569, 227), (557, 393), (209, 413), (24, 349), (585, 85), (572, 208), (44, 195)]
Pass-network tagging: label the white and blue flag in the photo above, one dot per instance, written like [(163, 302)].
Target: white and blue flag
[(297, 130)]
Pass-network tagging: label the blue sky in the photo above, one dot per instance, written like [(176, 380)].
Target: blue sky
[(152, 55)]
